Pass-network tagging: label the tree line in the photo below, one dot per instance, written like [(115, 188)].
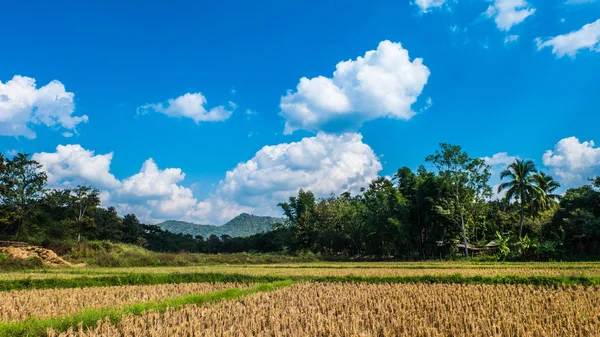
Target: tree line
[(449, 210), (34, 213), (440, 212)]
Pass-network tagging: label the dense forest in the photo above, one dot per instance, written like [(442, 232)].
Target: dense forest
[(442, 212)]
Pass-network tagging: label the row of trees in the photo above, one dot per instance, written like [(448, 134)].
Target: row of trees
[(430, 213), (31, 212), (427, 213)]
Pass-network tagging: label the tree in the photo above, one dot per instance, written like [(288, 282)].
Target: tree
[(85, 200), (384, 215), (521, 185), (467, 179), (23, 185), (596, 182), (108, 224), (132, 229), (579, 217), (547, 199), (300, 213), (3, 190)]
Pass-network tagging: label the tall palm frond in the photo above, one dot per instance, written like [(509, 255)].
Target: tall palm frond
[(548, 199), (521, 184)]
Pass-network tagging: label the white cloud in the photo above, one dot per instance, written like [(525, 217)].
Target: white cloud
[(159, 190), (588, 37), (507, 13), (151, 181), (324, 164), (190, 105), (573, 161), (383, 83), (500, 159), (22, 105), (179, 203), (251, 112), (72, 164), (428, 104), (511, 38), (425, 5)]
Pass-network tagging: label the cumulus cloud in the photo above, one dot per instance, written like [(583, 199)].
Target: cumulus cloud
[(157, 189), (72, 164), (151, 181), (500, 159), (425, 5), (323, 164), (23, 105), (507, 13), (383, 83), (190, 105), (588, 37), (573, 161)]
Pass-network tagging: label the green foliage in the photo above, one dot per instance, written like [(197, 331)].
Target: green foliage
[(7, 263), (521, 185), (23, 183), (467, 180), (130, 279), (503, 242), (107, 254), (577, 220)]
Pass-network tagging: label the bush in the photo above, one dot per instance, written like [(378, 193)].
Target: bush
[(108, 254), (7, 262)]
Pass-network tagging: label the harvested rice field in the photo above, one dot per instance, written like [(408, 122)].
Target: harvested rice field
[(306, 299), (22, 304), (325, 309)]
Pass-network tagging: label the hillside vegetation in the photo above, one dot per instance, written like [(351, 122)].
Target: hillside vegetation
[(241, 226)]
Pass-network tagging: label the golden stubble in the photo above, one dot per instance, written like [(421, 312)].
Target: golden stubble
[(21, 304), (325, 309)]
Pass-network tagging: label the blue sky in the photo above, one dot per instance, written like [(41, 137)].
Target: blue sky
[(505, 76)]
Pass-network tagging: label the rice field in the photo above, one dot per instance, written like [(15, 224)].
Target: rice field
[(376, 269), (318, 299), (325, 309), (22, 304)]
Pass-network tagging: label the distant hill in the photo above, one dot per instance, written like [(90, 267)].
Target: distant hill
[(242, 225)]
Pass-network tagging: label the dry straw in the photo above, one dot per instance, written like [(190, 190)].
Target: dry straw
[(321, 309)]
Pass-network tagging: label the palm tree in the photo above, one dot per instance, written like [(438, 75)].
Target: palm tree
[(521, 186), (547, 185)]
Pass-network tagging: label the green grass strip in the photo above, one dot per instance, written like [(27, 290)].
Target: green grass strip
[(89, 317), (154, 279), (547, 281), (131, 279)]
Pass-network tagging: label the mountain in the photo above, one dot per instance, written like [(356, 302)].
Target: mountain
[(242, 225)]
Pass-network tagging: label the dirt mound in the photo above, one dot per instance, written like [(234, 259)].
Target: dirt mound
[(47, 256)]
